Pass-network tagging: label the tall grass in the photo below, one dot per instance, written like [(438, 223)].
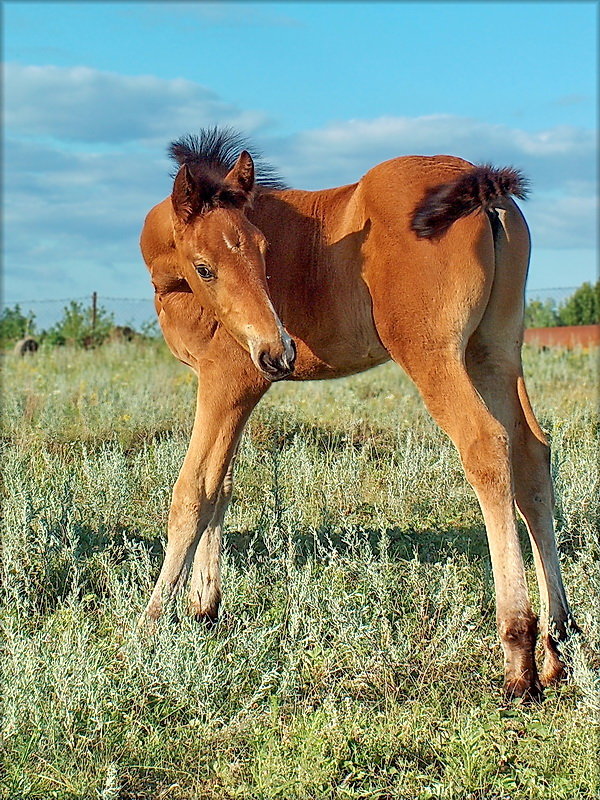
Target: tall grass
[(356, 655)]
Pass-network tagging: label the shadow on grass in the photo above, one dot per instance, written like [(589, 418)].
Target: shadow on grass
[(255, 547), (81, 561), (428, 546), (129, 440), (86, 558), (395, 544), (273, 431)]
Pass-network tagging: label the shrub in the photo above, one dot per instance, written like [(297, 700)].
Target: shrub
[(14, 325), (583, 307), (540, 314), (75, 326)]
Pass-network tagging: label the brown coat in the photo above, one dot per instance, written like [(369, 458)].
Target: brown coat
[(422, 261)]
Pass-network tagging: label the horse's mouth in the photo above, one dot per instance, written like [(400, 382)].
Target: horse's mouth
[(281, 375)]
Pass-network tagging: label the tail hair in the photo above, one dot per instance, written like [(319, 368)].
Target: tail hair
[(477, 189)]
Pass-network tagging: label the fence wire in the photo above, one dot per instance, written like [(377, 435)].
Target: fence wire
[(139, 311), (132, 311)]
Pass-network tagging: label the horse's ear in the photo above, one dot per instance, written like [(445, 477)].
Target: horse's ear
[(241, 175), (185, 194)]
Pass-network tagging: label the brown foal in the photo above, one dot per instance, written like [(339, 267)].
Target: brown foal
[(423, 261)]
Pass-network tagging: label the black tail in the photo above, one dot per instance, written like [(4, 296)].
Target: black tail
[(476, 189)]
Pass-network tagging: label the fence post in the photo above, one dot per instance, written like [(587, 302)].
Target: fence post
[(94, 310)]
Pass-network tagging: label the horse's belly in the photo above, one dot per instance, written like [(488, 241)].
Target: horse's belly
[(337, 356)]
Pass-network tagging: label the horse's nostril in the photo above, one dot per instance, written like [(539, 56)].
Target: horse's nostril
[(275, 367), (265, 363), (292, 359)]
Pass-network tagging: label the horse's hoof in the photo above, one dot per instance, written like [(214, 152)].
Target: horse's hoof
[(525, 690), (205, 609), (147, 622), (205, 616), (553, 671)]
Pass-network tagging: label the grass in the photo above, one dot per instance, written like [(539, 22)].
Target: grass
[(356, 656)]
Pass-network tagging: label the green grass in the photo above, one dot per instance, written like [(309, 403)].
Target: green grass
[(356, 656)]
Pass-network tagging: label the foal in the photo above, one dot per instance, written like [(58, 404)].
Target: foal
[(423, 261)]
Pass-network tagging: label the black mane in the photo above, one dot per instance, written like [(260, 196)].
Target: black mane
[(213, 152)]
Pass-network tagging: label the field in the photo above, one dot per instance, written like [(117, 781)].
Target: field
[(356, 657)]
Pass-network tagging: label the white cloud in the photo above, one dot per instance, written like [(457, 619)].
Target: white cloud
[(85, 160), (563, 221), (72, 220), (348, 149), (81, 104)]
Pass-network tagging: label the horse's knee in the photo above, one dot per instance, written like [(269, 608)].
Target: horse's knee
[(191, 510)]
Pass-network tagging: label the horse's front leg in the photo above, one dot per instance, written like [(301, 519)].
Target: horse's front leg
[(205, 583), (224, 404)]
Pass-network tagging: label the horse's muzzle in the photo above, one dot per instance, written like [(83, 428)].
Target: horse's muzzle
[(276, 368)]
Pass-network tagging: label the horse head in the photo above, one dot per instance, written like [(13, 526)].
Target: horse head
[(222, 258)]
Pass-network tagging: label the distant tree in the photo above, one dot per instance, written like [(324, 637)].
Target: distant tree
[(583, 307), (541, 314), (15, 325), (75, 326)]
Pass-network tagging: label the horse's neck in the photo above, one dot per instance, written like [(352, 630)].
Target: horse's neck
[(311, 235), (303, 228), (328, 212), (315, 276)]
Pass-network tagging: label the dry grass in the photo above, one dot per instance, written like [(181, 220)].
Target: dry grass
[(356, 656)]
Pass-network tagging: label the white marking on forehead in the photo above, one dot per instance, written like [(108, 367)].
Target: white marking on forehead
[(233, 243)]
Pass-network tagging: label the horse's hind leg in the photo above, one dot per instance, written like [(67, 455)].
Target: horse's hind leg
[(484, 446), (429, 339), (535, 500), (496, 374), (226, 397), (494, 362)]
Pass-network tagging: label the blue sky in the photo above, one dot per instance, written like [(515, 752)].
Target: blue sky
[(95, 91)]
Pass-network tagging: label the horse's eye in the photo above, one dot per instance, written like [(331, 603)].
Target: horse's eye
[(205, 273)]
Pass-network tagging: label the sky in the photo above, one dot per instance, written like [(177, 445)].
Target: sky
[(95, 91)]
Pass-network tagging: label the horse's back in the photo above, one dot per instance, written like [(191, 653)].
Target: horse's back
[(393, 189)]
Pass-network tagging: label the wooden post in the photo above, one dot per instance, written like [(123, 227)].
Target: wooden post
[(94, 310)]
